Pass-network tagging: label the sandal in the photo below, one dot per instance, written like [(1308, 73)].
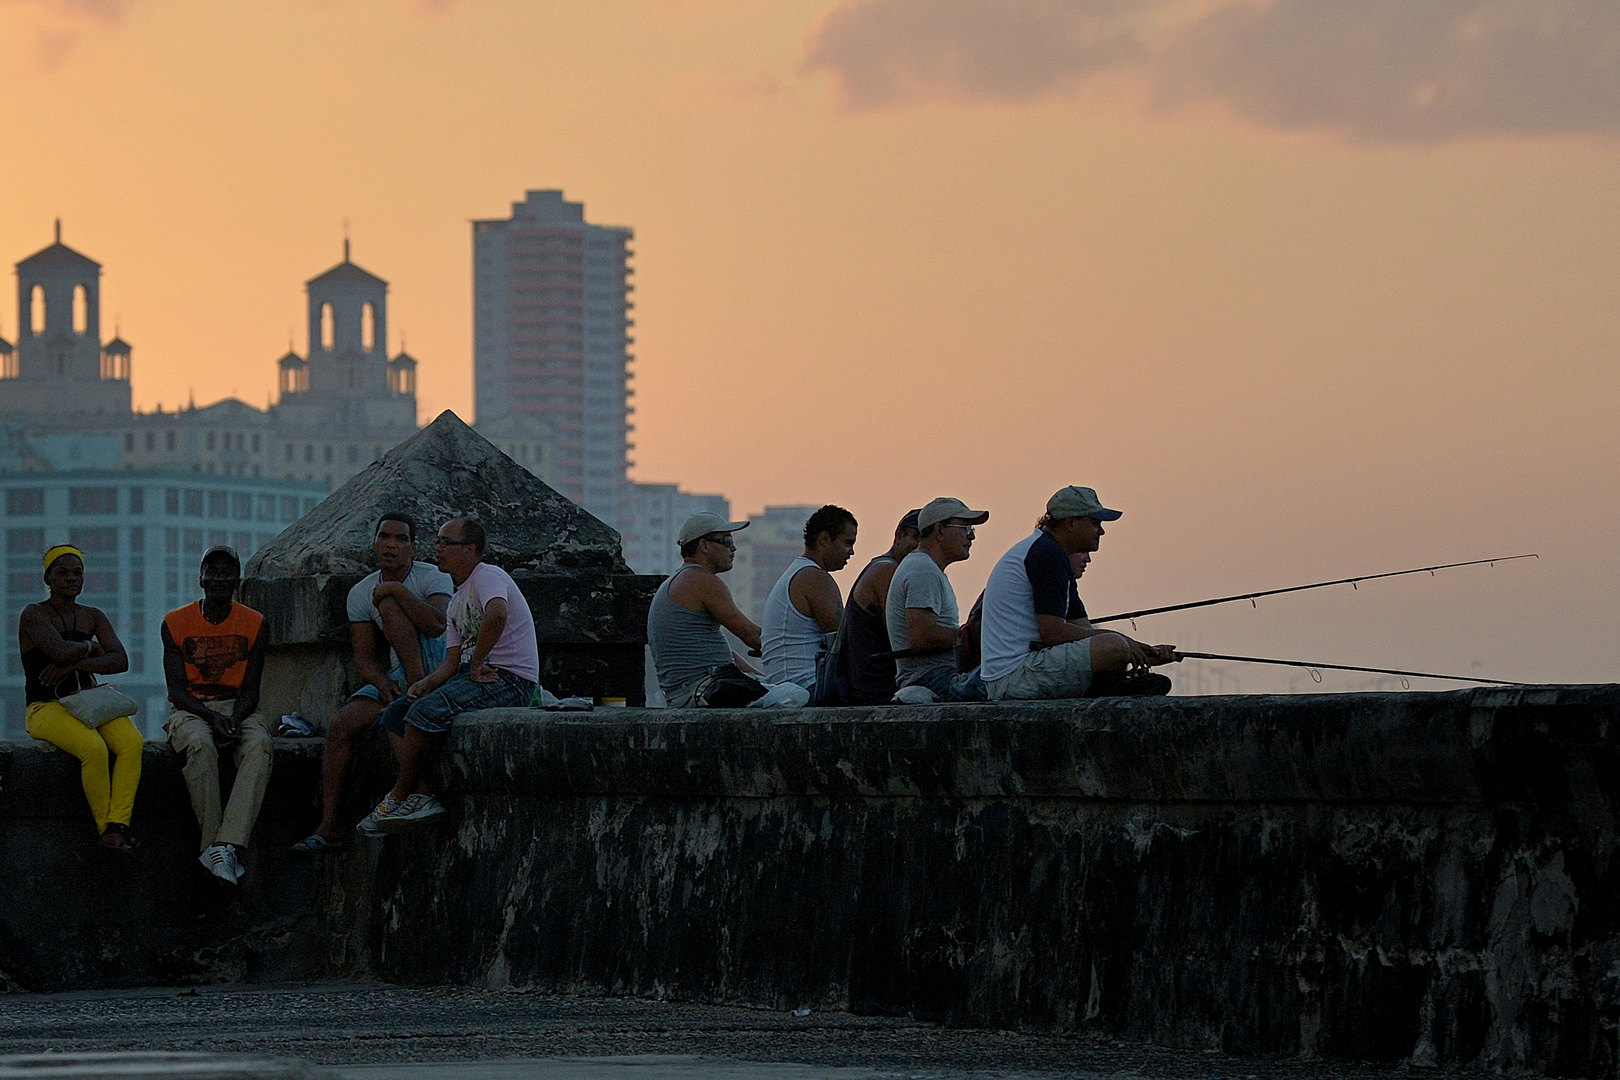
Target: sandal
[(116, 837), (316, 844)]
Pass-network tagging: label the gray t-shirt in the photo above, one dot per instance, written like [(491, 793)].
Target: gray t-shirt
[(918, 582), (423, 581)]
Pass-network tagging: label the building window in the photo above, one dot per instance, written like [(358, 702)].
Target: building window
[(99, 540), (354, 455), (171, 541), (194, 541), (171, 581), (289, 451), (309, 504), (289, 508), (137, 660), (210, 440), (137, 539), (328, 449), (25, 541), (171, 500), (256, 443), (137, 500), (243, 543), (242, 506), (194, 503), (101, 581), (309, 452), (219, 504), (23, 502), (23, 583), (97, 500), (129, 442), (168, 440), (137, 584), (216, 537), (267, 508), (151, 441)]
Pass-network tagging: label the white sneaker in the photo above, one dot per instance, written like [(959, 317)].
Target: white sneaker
[(413, 810), (782, 696), (368, 825), (914, 695), (220, 860)]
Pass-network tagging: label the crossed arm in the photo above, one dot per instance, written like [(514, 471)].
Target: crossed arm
[(102, 655)]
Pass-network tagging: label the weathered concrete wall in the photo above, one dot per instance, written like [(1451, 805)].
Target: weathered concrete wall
[(1420, 877)]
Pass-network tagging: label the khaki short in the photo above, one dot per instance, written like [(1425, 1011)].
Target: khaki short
[(1061, 671)]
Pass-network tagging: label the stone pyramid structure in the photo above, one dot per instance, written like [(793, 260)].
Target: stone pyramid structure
[(445, 470)]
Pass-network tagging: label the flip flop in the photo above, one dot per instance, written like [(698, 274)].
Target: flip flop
[(316, 844)]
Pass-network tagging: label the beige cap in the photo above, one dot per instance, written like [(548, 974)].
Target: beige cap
[(705, 523), (945, 509), (1073, 502)]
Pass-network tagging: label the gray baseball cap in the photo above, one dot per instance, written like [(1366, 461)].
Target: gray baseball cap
[(945, 509), (1073, 502), (705, 523)]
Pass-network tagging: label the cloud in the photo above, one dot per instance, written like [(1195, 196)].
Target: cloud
[(1393, 70), (54, 27)]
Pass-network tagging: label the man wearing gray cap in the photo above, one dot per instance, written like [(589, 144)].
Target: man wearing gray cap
[(695, 665), (1036, 642), (921, 608)]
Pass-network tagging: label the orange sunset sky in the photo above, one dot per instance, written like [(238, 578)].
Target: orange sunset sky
[(1307, 288)]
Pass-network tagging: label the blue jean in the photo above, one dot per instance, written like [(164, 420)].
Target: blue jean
[(949, 686), (432, 656), (433, 712)]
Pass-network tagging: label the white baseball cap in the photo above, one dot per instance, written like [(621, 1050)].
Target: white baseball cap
[(705, 523)]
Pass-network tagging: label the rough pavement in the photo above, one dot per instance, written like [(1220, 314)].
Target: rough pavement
[(521, 1035)]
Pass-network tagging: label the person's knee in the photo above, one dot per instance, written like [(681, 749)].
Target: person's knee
[(1109, 654), (352, 719)]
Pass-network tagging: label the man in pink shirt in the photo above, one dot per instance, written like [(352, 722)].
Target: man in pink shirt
[(491, 661)]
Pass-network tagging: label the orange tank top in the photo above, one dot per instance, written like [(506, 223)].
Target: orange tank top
[(215, 654)]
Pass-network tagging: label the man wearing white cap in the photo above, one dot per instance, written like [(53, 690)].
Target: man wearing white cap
[(1036, 641), (695, 665), (921, 608)]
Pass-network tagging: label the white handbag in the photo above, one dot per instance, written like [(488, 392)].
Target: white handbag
[(98, 704)]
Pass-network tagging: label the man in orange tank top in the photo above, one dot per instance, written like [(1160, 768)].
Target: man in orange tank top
[(213, 657)]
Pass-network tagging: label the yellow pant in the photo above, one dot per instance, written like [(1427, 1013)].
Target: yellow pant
[(111, 798)]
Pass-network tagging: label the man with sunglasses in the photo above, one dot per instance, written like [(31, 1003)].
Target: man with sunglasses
[(690, 653), (921, 608), (491, 661), (1036, 641)]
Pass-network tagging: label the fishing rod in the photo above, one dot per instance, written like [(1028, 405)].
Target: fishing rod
[(1341, 667), (1350, 581)]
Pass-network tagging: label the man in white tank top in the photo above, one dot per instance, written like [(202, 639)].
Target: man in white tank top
[(805, 608)]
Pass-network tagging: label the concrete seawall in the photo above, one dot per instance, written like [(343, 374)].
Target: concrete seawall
[(1420, 877)]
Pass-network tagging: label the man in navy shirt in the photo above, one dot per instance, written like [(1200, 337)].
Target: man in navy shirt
[(1036, 641)]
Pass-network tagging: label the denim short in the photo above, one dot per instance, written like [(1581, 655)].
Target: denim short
[(433, 712), (432, 656)]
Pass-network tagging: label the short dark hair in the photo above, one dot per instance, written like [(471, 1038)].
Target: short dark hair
[(930, 531), (689, 548), (399, 516), (829, 519), (472, 533)]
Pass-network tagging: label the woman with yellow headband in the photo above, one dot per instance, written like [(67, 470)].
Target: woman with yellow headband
[(64, 646)]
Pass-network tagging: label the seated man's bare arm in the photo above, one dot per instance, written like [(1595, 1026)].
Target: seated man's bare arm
[(717, 601), (814, 594)]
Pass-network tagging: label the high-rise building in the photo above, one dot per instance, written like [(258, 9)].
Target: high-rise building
[(773, 539), (143, 533), (551, 339), (656, 514)]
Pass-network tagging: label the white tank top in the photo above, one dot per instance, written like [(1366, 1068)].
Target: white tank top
[(790, 642)]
